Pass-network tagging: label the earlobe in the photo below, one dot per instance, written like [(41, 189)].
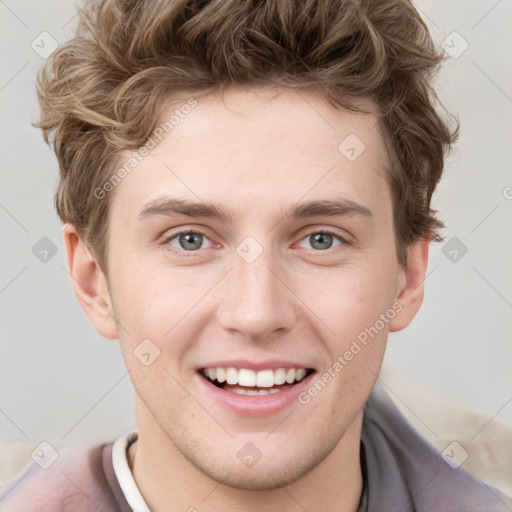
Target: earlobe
[(89, 284), (411, 284)]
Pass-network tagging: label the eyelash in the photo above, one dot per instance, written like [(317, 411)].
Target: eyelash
[(168, 239)]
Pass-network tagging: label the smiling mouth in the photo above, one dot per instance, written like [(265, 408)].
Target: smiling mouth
[(244, 381)]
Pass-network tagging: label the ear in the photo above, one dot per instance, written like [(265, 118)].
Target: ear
[(411, 284), (90, 284)]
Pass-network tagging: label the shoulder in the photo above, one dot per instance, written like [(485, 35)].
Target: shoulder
[(406, 472), (67, 479)]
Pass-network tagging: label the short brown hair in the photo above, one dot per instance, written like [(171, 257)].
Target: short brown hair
[(102, 92)]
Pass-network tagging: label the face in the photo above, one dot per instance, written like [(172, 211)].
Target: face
[(254, 279)]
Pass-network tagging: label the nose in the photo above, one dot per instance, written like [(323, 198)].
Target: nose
[(256, 300)]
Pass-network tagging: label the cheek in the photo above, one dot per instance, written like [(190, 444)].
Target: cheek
[(347, 300), (147, 296), (157, 304)]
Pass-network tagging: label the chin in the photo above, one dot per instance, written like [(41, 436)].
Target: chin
[(268, 473), (263, 478)]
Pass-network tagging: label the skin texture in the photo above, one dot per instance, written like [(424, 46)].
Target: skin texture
[(257, 153)]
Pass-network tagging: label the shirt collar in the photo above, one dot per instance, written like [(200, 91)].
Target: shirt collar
[(124, 474)]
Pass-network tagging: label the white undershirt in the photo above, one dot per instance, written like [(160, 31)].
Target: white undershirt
[(124, 475)]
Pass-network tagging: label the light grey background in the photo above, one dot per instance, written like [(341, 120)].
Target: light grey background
[(60, 381)]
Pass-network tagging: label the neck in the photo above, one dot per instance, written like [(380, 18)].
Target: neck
[(171, 483)]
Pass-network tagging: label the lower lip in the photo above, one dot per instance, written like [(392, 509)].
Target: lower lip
[(250, 405)]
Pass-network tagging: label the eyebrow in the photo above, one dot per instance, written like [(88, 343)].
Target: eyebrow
[(326, 208)]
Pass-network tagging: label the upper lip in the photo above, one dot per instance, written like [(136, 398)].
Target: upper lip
[(256, 366)]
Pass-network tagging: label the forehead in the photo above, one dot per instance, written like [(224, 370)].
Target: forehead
[(260, 149)]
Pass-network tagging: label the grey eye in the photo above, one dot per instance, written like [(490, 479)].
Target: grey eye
[(188, 241), (191, 241), (321, 241)]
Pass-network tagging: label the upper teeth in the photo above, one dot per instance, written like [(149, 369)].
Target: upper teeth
[(250, 378)]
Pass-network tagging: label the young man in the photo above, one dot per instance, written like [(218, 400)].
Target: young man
[(246, 187)]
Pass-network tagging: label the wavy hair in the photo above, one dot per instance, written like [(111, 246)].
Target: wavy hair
[(101, 92)]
